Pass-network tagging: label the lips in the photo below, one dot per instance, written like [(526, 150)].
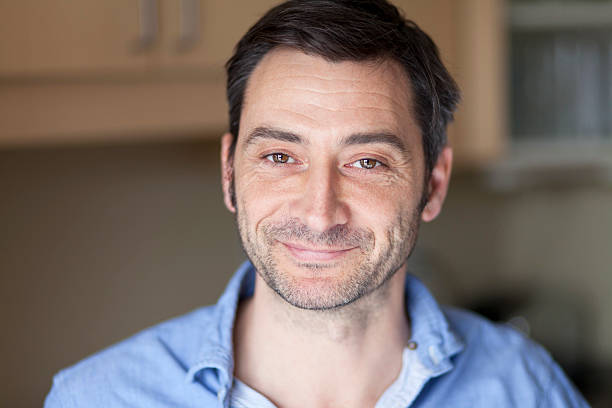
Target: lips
[(306, 254)]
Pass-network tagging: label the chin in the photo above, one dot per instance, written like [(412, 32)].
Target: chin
[(318, 286)]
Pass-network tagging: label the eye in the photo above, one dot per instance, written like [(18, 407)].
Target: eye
[(366, 163), (280, 158)]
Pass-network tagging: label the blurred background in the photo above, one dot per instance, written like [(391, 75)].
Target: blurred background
[(111, 216)]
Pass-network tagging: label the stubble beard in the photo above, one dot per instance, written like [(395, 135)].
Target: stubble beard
[(358, 282)]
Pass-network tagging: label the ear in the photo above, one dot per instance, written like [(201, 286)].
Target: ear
[(227, 171), (438, 185)]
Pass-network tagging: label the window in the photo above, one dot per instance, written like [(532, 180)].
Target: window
[(561, 71)]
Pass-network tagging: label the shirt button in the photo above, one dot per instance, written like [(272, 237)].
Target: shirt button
[(412, 345)]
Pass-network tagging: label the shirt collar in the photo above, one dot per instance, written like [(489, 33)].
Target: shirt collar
[(436, 341), (430, 330), (217, 347)]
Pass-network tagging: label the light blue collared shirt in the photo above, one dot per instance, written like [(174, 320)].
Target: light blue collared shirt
[(460, 360)]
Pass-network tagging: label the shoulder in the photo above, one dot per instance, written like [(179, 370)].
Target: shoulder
[(499, 363), (477, 330), (133, 370), (489, 344)]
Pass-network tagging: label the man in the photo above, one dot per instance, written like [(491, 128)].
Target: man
[(336, 151)]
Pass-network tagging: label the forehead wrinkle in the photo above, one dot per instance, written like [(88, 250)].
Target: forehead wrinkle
[(397, 93), (383, 88), (389, 71), (338, 92), (369, 66), (318, 77), (383, 115), (344, 108), (393, 100), (303, 115)]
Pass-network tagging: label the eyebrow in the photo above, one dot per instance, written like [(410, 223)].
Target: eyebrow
[(275, 134), (371, 138), (389, 139)]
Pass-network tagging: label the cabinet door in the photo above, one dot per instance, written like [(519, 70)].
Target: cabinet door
[(67, 36), (435, 17), (218, 27), (470, 36)]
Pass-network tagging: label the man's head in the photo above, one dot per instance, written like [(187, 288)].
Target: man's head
[(336, 150), (352, 30)]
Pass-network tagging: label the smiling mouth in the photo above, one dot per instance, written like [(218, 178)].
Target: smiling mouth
[(306, 254)]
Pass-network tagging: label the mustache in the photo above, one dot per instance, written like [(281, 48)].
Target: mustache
[(293, 230)]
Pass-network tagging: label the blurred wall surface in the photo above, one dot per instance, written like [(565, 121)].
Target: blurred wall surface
[(98, 243)]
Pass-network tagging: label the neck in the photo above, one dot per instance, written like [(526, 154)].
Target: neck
[(322, 358)]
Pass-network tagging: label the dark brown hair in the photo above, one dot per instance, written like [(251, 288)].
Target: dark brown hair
[(351, 30)]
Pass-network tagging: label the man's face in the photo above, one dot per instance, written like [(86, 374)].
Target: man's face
[(328, 174)]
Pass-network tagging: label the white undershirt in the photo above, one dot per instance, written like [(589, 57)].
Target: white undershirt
[(401, 393)]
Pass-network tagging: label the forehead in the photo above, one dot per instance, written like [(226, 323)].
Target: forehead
[(315, 97)]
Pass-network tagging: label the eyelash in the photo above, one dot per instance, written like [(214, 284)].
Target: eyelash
[(270, 158), (377, 163), (290, 160)]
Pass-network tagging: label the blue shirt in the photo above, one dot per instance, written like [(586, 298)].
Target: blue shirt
[(460, 360)]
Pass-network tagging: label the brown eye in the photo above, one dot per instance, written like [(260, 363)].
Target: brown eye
[(368, 163), (280, 158)]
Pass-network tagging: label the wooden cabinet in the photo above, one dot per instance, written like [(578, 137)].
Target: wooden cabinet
[(92, 70), (42, 38), (66, 36), (471, 35), (220, 24)]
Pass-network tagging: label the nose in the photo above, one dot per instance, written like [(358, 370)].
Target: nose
[(319, 205)]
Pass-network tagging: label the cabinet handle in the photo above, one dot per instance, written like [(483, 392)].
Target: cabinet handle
[(148, 23), (190, 25)]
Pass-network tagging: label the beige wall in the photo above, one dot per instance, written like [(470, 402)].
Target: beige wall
[(98, 243), (552, 243)]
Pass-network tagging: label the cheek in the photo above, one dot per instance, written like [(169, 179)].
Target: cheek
[(379, 208), (261, 197), (389, 210), (379, 199)]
